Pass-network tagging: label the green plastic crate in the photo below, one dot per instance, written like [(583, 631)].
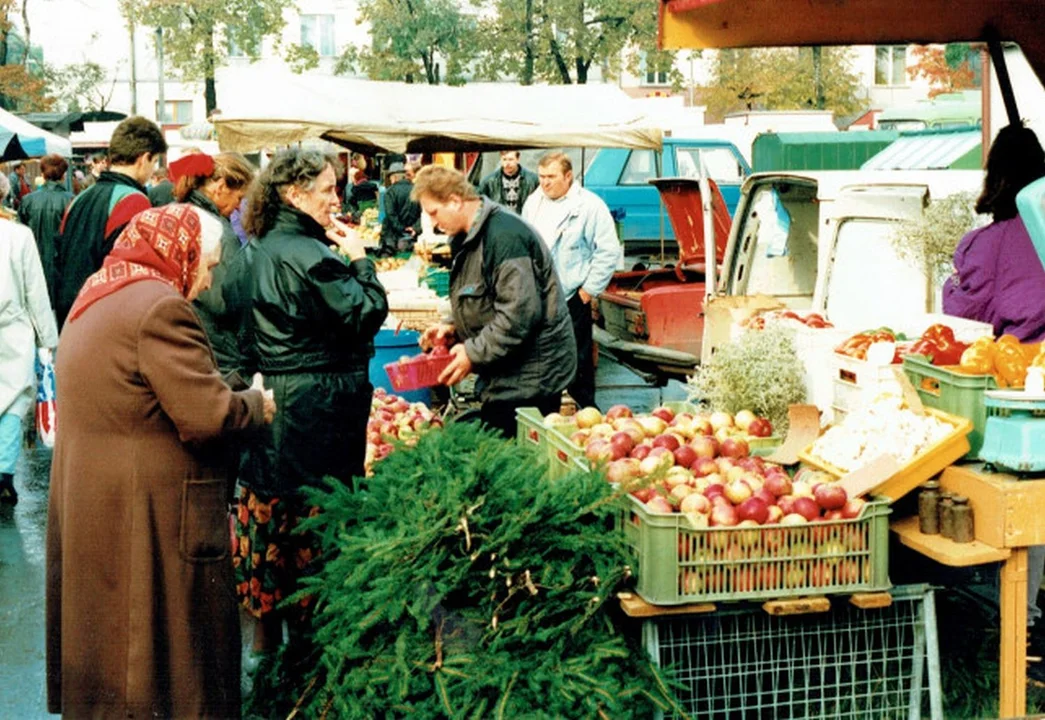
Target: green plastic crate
[(847, 664), (551, 446), (563, 456), (437, 280), (676, 563), (955, 393)]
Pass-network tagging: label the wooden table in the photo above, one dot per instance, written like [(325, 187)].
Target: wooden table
[(1008, 518)]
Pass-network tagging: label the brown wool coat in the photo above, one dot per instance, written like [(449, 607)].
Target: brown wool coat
[(141, 616)]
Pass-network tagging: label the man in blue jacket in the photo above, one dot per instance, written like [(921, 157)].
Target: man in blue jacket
[(579, 231)]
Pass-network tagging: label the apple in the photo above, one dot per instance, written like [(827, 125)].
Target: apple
[(650, 464), (830, 496), (807, 508), (714, 490), (652, 426), (587, 417), (695, 503), (622, 471), (793, 519), (623, 441), (632, 428), (775, 513), (720, 420), (703, 467), (853, 508), (677, 476), (744, 418), (760, 427), (602, 430), (786, 503), (644, 495), (724, 464), (580, 438), (682, 418), (833, 515), (734, 448), (704, 446), (681, 491), (778, 484), (802, 488), (751, 464), (723, 516), (738, 491), (659, 504), (666, 441), (685, 456), (735, 473), (598, 449), (618, 411), (554, 419), (639, 452), (764, 495), (754, 508), (701, 426), (664, 413)]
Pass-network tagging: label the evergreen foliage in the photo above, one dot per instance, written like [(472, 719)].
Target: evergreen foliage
[(461, 583)]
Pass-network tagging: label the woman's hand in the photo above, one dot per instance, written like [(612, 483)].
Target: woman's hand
[(458, 368), (268, 399), (441, 334), (346, 238)]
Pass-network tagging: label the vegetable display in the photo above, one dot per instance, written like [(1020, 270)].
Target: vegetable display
[(1006, 359)]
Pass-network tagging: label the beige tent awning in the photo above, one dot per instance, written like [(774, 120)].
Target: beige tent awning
[(398, 117)]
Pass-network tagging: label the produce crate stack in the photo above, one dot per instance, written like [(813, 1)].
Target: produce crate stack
[(741, 663)]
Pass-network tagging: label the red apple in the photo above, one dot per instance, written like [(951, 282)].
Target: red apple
[(778, 483), (685, 456), (744, 418), (833, 515), (598, 449), (695, 502), (807, 508), (704, 467), (650, 465), (681, 491), (701, 426), (666, 441), (580, 438), (664, 413), (786, 503), (618, 411), (753, 508), (775, 514), (723, 516), (830, 496), (738, 491), (651, 425), (659, 504), (734, 448), (853, 508), (644, 495), (765, 496), (639, 452), (623, 441), (714, 490), (760, 427), (704, 446), (622, 470)]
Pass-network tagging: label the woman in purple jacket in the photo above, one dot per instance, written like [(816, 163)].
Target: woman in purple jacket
[(998, 277)]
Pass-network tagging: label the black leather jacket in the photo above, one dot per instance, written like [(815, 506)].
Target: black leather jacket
[(310, 312)]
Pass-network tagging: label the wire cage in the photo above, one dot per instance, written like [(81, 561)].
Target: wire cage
[(845, 663)]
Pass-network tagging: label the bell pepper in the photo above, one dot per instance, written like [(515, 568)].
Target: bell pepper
[(1010, 364), (948, 349), (978, 358)]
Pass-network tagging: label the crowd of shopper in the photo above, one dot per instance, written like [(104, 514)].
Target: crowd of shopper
[(206, 368)]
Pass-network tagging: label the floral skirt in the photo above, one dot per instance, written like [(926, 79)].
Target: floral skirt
[(268, 557)]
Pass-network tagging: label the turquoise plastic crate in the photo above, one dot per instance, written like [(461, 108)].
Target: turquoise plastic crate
[(741, 662), (1015, 437), (953, 392), (1030, 202), (438, 281)]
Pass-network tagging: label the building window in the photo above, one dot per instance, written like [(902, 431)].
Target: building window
[(890, 65), (651, 75), (179, 112), (317, 32)]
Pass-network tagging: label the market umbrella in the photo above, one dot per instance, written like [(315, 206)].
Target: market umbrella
[(11, 147)]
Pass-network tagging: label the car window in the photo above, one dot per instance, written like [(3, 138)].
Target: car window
[(870, 285), (720, 164), (640, 168)]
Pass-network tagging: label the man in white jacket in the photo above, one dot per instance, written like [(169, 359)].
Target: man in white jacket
[(577, 227)]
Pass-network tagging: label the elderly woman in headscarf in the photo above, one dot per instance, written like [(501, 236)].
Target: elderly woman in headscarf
[(26, 323), (141, 616)]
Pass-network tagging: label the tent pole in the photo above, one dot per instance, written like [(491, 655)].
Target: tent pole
[(1004, 82)]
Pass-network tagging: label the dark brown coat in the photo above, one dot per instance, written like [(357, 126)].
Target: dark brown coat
[(141, 615)]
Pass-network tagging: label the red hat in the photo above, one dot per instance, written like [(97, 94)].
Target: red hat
[(194, 165)]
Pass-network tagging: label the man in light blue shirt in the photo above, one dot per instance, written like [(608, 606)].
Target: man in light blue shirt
[(579, 231)]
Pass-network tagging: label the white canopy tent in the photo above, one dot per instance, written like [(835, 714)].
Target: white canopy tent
[(31, 136), (397, 117)]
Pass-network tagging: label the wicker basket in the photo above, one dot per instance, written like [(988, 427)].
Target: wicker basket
[(414, 319)]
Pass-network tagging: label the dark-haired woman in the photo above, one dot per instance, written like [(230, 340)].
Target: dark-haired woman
[(310, 331), (217, 185), (999, 279)]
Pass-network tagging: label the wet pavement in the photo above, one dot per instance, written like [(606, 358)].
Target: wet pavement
[(22, 543), (22, 540)]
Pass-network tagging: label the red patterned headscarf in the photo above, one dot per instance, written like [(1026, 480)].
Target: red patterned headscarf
[(163, 243)]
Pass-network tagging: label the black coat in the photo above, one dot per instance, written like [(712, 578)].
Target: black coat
[(401, 213), (41, 211), (310, 332)]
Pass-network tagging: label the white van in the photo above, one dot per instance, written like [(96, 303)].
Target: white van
[(822, 241)]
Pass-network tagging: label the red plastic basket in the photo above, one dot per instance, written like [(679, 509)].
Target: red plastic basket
[(420, 372)]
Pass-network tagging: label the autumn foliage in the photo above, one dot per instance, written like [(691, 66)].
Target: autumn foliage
[(946, 70)]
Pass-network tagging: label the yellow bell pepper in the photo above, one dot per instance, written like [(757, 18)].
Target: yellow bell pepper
[(978, 358), (1010, 365)]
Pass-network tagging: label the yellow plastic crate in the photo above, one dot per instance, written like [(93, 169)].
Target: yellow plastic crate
[(925, 465)]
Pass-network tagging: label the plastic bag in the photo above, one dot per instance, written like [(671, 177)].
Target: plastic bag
[(45, 405)]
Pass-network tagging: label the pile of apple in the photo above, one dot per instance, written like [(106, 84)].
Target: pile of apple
[(393, 418), (688, 437)]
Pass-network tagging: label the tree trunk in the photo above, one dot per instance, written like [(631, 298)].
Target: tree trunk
[(210, 91), (528, 57), (582, 71), (818, 77), (25, 24), (560, 62)]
